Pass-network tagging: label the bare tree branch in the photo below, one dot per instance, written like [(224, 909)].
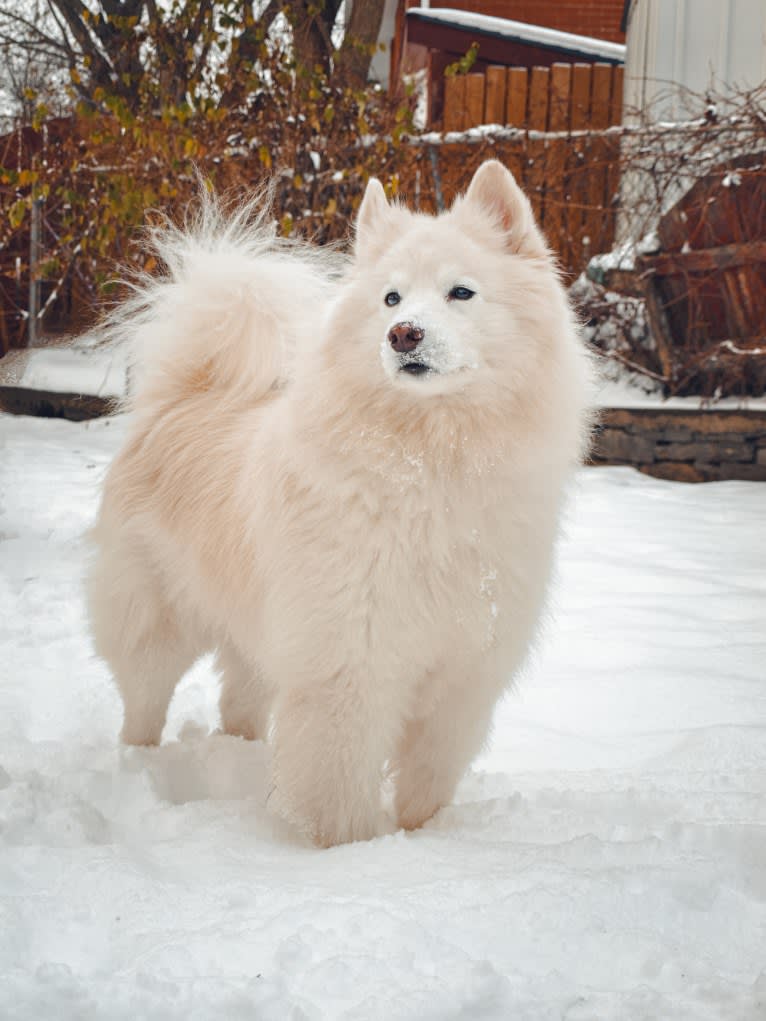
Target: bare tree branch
[(30, 27), (75, 16)]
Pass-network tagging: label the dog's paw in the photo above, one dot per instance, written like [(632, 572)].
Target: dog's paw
[(239, 727), (142, 737), (415, 810), (328, 823)]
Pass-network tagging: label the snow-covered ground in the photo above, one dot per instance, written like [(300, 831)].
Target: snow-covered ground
[(80, 365), (606, 857)]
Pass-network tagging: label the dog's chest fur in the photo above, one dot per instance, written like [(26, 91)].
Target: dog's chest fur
[(404, 563)]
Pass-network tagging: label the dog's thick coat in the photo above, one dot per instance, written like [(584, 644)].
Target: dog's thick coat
[(363, 533)]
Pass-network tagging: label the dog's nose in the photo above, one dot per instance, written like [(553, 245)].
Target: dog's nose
[(404, 337)]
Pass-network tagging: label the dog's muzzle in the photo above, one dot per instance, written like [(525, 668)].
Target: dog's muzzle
[(404, 338)]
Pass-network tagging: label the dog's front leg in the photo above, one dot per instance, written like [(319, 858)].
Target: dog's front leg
[(332, 738), (438, 745)]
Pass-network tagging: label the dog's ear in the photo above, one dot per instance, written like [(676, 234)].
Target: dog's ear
[(373, 211), (494, 191)]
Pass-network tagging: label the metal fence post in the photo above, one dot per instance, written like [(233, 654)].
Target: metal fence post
[(34, 280), (433, 156)]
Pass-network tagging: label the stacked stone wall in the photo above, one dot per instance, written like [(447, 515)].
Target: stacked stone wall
[(690, 446)]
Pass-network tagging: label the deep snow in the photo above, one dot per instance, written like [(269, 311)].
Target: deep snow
[(606, 858)]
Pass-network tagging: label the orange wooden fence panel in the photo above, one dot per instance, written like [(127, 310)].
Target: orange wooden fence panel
[(556, 153), (454, 103), (516, 92), (596, 198), (537, 120), (577, 162), (474, 99), (494, 96)]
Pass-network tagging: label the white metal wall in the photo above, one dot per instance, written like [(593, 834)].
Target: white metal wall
[(381, 62), (694, 43)]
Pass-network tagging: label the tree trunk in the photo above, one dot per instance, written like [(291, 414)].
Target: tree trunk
[(361, 38), (312, 33)]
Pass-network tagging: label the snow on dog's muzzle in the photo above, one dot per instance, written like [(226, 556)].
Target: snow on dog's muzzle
[(404, 338), (419, 344)]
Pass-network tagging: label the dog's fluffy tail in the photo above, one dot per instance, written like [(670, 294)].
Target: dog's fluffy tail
[(229, 312)]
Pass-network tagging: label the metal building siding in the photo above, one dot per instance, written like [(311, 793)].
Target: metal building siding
[(693, 43)]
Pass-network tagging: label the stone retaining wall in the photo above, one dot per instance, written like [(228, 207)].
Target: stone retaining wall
[(690, 446), (21, 400)]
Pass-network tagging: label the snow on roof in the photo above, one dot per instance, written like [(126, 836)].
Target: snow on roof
[(520, 31)]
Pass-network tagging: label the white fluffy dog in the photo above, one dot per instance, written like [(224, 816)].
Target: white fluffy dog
[(348, 484)]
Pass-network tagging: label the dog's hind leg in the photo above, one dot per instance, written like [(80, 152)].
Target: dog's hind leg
[(147, 678), (245, 697), (139, 636)]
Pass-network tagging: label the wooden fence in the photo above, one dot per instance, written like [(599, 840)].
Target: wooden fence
[(571, 180), (564, 97)]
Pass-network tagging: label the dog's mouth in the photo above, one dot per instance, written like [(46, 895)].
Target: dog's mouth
[(415, 368)]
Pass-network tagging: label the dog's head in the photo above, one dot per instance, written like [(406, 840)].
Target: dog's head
[(447, 302)]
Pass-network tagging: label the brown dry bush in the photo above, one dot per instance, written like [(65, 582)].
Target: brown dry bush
[(100, 173)]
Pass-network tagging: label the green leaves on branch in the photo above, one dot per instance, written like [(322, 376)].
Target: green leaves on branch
[(17, 212), (464, 64)]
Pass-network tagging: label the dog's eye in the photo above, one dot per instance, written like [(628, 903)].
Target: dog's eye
[(461, 293), (392, 298)]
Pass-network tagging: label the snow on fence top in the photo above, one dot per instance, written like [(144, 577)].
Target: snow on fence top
[(582, 46)]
